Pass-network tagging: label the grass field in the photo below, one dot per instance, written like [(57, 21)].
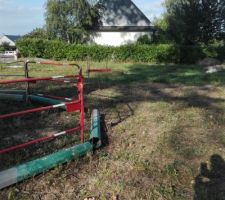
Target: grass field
[(165, 136)]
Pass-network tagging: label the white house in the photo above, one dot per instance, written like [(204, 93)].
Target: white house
[(123, 22), (10, 39)]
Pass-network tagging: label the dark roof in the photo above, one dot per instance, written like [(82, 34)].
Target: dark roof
[(123, 13), (125, 29), (13, 37)]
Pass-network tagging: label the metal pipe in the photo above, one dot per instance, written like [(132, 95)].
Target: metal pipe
[(96, 128), (37, 79), (53, 136), (19, 96), (75, 105), (26, 75), (99, 70), (44, 100), (33, 168), (12, 91), (14, 97)]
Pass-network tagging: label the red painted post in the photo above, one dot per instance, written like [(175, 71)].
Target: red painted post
[(71, 106), (81, 99)]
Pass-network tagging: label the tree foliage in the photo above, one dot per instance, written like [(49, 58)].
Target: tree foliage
[(161, 26), (5, 46), (212, 20), (183, 19), (144, 39), (194, 21), (72, 20), (37, 33)]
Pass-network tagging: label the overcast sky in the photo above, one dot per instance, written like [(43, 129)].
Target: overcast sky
[(18, 17)]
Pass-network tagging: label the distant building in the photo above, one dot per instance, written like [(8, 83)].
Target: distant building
[(10, 39), (123, 22)]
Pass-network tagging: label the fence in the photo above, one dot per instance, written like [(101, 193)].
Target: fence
[(53, 102)]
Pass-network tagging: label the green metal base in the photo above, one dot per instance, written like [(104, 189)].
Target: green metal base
[(33, 168), (19, 96)]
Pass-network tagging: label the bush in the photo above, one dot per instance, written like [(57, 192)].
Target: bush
[(144, 39), (190, 54), (214, 51), (154, 53), (31, 47), (2, 49)]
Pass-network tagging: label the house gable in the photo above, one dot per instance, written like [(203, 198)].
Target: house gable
[(123, 13), (122, 23), (11, 39)]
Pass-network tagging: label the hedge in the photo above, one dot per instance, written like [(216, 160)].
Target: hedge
[(155, 53)]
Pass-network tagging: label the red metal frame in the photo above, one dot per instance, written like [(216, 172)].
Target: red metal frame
[(100, 70), (71, 106)]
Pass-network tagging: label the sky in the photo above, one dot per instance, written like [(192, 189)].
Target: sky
[(18, 17)]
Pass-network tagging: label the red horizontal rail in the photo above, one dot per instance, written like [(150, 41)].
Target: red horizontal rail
[(27, 80), (75, 106), (56, 64), (100, 70), (20, 146), (61, 81)]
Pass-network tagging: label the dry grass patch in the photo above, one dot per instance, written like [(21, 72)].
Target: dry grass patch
[(165, 125)]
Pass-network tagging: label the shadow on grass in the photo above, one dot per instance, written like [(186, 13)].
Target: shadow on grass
[(192, 75), (210, 183), (140, 83)]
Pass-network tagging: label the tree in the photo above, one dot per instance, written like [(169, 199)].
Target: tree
[(144, 39), (212, 19), (2, 49), (221, 10), (72, 20), (194, 21), (38, 33), (183, 17), (5, 46), (161, 26)]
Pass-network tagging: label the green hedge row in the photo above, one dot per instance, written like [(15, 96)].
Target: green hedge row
[(157, 53), (192, 54)]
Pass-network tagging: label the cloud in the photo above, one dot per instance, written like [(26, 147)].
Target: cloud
[(19, 18)]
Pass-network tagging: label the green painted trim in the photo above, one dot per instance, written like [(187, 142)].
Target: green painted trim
[(14, 97), (44, 100), (13, 91), (35, 167), (38, 166), (96, 129), (17, 96)]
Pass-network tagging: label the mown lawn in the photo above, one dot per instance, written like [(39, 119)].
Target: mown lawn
[(165, 136)]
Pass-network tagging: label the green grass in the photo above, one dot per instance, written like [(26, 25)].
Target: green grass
[(165, 123)]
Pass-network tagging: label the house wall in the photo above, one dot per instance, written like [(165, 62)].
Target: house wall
[(4, 39), (117, 38)]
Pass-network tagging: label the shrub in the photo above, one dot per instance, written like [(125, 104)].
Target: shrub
[(144, 39), (190, 54), (154, 53), (31, 47), (2, 49)]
